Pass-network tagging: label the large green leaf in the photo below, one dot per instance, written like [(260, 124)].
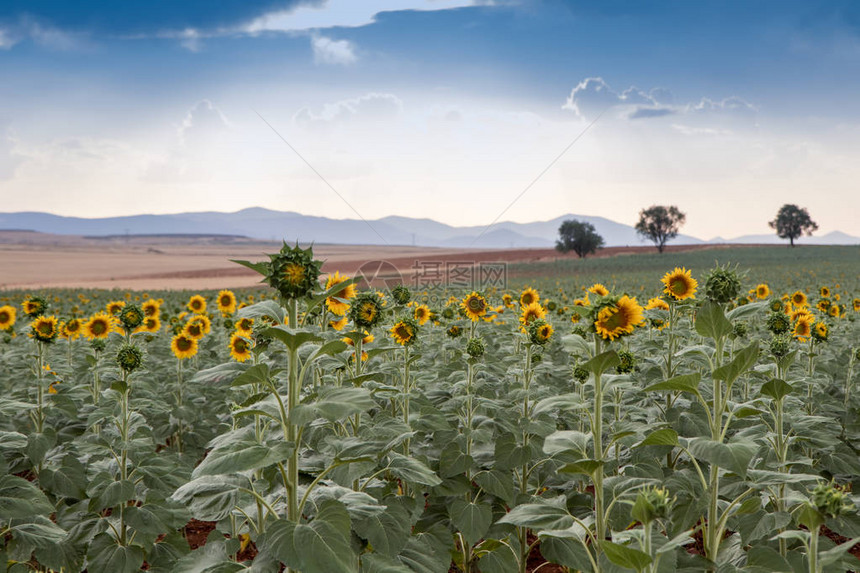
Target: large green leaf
[(292, 339), (568, 552), (241, 455), (210, 498), (549, 514), (625, 556), (321, 546), (334, 404), (776, 388), (21, 499), (386, 531), (471, 519), (683, 383), (497, 483), (711, 321), (411, 470), (602, 362), (661, 437), (105, 555), (743, 361), (734, 456)]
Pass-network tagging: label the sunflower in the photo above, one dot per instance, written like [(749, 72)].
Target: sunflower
[(679, 284), (598, 289), (365, 311), (339, 324), (99, 326), (823, 304), (151, 324), (34, 306), (7, 317), (475, 305), (151, 307), (615, 320), (114, 307), (584, 301), (71, 329), (657, 303), (244, 326), (197, 304), (803, 328), (824, 292), (368, 338), (204, 320), (240, 348), (856, 304), (532, 312), (404, 331), (540, 332), (820, 332), (335, 303), (799, 299), (508, 300), (421, 314), (835, 311), (762, 291), (44, 328), (183, 346), (802, 314), (529, 296), (226, 302), (194, 329)]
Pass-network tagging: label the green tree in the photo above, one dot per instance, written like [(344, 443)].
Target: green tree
[(579, 237), (660, 224), (791, 222)]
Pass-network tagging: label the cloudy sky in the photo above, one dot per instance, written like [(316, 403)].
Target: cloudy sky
[(446, 109)]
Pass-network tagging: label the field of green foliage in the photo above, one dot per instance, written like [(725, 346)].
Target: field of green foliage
[(637, 413)]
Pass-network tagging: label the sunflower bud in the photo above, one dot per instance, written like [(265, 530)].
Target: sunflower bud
[(475, 347), (580, 373), (401, 294), (652, 503), (454, 331), (722, 284), (739, 329), (131, 316), (831, 500), (129, 358), (293, 272), (366, 310), (780, 345), (778, 322), (627, 362)]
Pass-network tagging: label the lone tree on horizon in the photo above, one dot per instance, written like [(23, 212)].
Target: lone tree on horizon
[(579, 237), (660, 224), (791, 222)]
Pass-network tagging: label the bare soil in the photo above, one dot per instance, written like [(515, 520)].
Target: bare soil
[(31, 260)]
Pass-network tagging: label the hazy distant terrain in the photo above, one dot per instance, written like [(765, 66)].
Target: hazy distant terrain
[(264, 224)]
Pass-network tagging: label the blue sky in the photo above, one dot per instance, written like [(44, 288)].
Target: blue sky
[(438, 108)]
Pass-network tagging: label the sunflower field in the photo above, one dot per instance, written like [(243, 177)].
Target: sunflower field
[(694, 422)]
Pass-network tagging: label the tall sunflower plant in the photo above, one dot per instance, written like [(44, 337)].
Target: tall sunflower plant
[(297, 466)]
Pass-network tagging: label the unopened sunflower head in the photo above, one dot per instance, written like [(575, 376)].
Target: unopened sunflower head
[(723, 284), (294, 272)]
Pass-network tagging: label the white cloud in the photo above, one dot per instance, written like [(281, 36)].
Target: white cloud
[(9, 159), (328, 51), (342, 13), (592, 96), (372, 106), (202, 122)]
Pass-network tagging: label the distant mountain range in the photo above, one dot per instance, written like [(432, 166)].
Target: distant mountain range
[(259, 223)]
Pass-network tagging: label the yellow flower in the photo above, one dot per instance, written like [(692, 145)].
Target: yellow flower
[(421, 314), (598, 289), (508, 300), (7, 317), (679, 284), (99, 326), (151, 324), (183, 346), (197, 327), (226, 302), (762, 291), (475, 306), (368, 338), (657, 303), (856, 304), (619, 319), (197, 304), (529, 296), (339, 324), (584, 301), (824, 292), (333, 304), (240, 348), (403, 333), (114, 307), (803, 328), (44, 328), (151, 307), (799, 299), (71, 329), (244, 326), (531, 313)]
